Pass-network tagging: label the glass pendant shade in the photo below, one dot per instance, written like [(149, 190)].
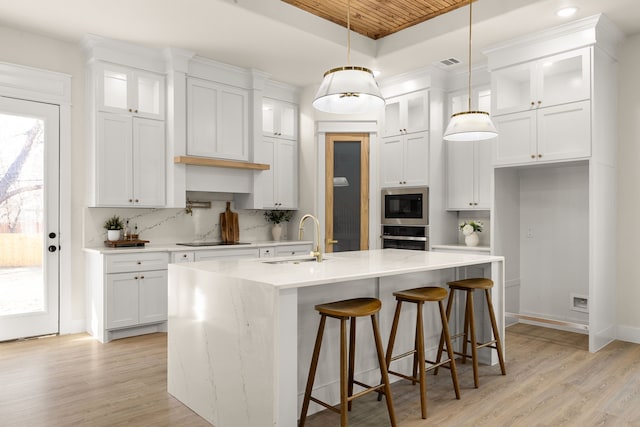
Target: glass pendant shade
[(348, 90), (470, 126)]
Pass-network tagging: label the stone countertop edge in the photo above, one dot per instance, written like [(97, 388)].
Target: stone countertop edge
[(172, 247), (463, 247), (338, 267)]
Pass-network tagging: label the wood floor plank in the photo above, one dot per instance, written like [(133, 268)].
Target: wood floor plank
[(552, 380)]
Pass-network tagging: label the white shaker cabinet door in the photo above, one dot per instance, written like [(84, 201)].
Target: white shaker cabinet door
[(149, 162), (564, 131), (113, 160), (122, 300), (286, 175), (460, 174), (153, 296), (516, 138), (391, 161), (416, 159)]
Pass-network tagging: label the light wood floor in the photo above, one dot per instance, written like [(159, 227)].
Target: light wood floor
[(551, 381)]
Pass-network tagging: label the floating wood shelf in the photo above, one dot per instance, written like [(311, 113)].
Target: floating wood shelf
[(203, 161)]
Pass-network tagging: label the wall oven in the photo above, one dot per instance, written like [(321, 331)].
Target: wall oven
[(414, 237), (405, 218)]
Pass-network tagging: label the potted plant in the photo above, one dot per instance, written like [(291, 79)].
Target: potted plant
[(113, 226), (277, 217), (470, 229)]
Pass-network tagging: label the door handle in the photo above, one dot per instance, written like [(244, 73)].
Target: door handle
[(331, 242)]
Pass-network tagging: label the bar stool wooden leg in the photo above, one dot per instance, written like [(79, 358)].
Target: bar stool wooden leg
[(312, 371), (344, 384), (383, 370), (441, 345), (467, 315), (447, 338), (496, 335), (474, 349), (352, 357), (421, 361)]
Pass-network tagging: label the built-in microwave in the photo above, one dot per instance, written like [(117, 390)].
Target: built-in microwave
[(405, 206)]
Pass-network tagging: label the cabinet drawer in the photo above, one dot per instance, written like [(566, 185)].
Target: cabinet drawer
[(136, 262), (267, 252), (185, 256), (293, 250), (227, 254)]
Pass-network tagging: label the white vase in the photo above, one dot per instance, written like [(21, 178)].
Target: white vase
[(472, 239), (113, 235), (276, 231)]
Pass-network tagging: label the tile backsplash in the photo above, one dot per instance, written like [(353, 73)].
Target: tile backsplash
[(174, 225)]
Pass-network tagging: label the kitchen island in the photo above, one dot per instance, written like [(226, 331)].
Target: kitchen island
[(240, 333)]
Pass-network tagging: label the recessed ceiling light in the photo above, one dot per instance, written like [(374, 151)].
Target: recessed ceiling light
[(566, 12)]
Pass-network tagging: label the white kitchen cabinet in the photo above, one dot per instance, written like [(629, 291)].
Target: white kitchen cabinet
[(561, 132), (408, 113), (136, 298), (469, 163), (544, 82), (404, 160), (128, 90), (277, 187), (469, 170), (217, 120), (126, 293), (279, 119), (129, 163)]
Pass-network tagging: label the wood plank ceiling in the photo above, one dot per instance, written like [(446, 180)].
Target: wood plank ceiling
[(378, 18)]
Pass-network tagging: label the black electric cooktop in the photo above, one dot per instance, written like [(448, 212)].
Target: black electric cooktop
[(195, 244)]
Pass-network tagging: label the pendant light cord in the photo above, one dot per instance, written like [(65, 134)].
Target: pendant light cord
[(470, 21), (348, 32)]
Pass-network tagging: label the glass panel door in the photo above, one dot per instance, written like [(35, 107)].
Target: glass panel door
[(29, 183), (347, 193)]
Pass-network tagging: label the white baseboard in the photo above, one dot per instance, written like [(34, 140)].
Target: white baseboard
[(72, 327), (628, 334)]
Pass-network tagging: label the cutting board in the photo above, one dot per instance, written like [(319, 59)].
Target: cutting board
[(229, 229)]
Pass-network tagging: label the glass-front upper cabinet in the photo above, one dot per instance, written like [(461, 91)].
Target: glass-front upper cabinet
[(128, 90), (480, 100), (545, 82), (279, 119), (407, 113)]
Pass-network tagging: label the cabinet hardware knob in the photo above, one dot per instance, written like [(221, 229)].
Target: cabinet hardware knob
[(135, 277), (533, 156), (184, 255), (130, 200), (533, 103), (139, 262), (539, 155), (475, 204), (52, 248), (142, 277), (52, 235), (539, 102), (136, 111), (130, 110), (137, 200), (470, 204)]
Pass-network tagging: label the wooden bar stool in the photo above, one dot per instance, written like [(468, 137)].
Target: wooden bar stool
[(469, 334), (419, 296), (348, 310)]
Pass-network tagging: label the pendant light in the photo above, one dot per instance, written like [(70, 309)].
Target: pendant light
[(348, 89), (470, 125)]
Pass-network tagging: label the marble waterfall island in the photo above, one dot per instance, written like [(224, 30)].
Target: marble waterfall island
[(241, 332)]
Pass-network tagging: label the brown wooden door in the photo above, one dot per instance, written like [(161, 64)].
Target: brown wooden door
[(347, 192)]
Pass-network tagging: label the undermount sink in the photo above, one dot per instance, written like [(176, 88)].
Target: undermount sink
[(292, 260)]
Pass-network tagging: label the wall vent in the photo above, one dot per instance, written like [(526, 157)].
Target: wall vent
[(450, 61)]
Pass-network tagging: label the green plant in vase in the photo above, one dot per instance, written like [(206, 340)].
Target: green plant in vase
[(113, 226)]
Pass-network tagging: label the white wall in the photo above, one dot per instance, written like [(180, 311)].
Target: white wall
[(628, 190), (23, 48)]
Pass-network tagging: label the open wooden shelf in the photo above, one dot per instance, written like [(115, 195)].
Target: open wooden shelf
[(204, 161)]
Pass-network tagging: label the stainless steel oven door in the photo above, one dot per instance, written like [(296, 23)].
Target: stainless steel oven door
[(400, 242)]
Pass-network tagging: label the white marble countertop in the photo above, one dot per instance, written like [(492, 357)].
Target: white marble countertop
[(337, 267), (172, 247), (459, 247)]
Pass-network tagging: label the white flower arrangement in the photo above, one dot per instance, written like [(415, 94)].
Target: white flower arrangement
[(470, 226)]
